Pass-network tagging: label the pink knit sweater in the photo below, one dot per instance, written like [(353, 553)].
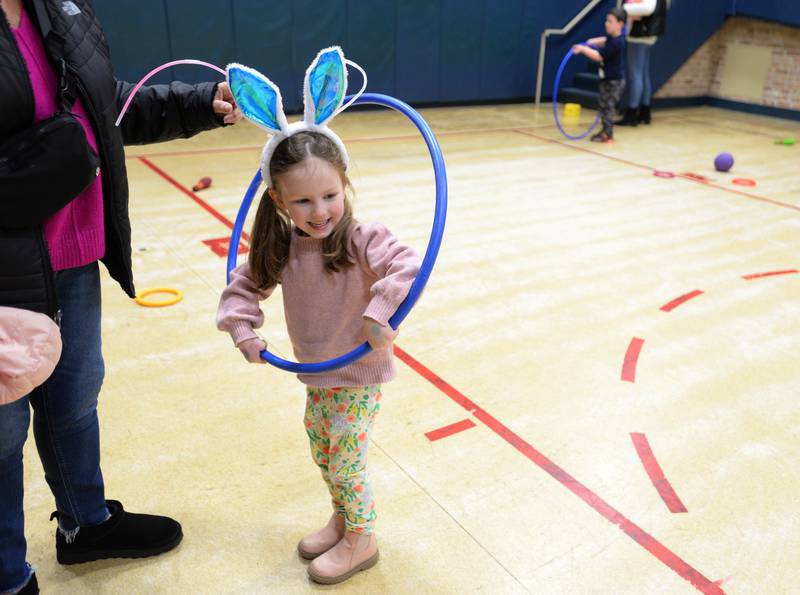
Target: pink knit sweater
[(75, 234), (324, 311)]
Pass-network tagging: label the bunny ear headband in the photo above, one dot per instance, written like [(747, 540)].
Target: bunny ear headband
[(260, 100), (324, 91)]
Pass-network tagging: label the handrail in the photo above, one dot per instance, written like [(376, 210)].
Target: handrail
[(563, 31)]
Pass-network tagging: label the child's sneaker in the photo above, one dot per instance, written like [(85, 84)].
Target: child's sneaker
[(354, 553), (603, 137), (319, 542)]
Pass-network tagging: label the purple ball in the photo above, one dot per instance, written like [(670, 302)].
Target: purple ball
[(723, 162)]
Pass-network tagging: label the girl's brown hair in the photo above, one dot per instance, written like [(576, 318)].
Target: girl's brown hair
[(272, 229)]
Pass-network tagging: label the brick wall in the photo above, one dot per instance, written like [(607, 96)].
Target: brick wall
[(703, 73)]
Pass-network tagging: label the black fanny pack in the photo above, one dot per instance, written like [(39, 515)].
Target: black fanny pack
[(43, 168), (48, 164)]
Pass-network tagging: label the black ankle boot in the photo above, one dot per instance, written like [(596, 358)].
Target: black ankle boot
[(123, 535), (644, 114), (631, 117), (32, 588)]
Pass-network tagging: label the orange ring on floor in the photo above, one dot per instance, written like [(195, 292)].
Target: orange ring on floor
[(139, 299), (744, 182)]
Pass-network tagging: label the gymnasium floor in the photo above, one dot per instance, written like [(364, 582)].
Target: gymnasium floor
[(588, 323)]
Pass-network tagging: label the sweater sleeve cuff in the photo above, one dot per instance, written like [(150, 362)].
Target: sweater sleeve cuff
[(241, 331), (380, 309)]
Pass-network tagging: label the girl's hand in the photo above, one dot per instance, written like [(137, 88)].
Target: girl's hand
[(251, 350), (577, 49), (377, 335)]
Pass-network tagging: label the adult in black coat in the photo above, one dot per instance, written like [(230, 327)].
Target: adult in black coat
[(65, 420)]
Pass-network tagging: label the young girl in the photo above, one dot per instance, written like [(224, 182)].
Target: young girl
[(341, 282)]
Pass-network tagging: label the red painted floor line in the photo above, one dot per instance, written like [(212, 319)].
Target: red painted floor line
[(639, 535), (656, 474), (446, 431), (722, 581), (214, 212), (631, 359), (575, 147), (695, 177), (219, 246), (769, 274), (680, 300)]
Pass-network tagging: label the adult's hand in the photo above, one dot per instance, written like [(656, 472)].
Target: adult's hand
[(224, 104)]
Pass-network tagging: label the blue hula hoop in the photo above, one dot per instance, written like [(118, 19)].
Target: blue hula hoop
[(437, 231), (556, 85)]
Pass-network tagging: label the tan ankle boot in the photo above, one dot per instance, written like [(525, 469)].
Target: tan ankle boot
[(321, 541), (355, 552)]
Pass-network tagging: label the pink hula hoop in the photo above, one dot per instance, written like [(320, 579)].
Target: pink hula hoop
[(156, 71)]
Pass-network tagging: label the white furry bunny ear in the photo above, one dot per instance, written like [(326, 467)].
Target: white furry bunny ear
[(258, 97), (324, 86)]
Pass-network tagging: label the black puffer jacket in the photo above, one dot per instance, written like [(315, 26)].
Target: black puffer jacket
[(652, 25), (157, 113)]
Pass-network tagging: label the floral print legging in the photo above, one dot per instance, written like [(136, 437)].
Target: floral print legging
[(338, 423)]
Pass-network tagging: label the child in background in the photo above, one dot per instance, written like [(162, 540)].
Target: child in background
[(341, 282), (612, 72)]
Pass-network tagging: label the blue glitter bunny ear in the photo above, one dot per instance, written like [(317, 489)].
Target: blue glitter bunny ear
[(325, 86), (257, 97)]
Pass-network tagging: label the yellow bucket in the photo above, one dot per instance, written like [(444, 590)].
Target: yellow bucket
[(572, 110)]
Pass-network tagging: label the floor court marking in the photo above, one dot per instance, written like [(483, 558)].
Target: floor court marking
[(656, 474), (219, 246), (769, 274), (636, 533), (631, 360), (669, 307), (574, 147), (208, 208), (639, 535), (446, 431), (634, 348)]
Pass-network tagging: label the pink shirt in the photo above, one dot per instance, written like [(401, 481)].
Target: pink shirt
[(324, 311), (75, 235)]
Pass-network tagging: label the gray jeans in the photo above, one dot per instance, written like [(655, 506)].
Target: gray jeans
[(610, 94)]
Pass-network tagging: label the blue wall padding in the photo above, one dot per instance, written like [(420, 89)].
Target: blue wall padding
[(138, 34), (501, 49), (461, 53), (371, 43), (786, 12), (265, 42), (199, 34), (421, 51), (417, 56)]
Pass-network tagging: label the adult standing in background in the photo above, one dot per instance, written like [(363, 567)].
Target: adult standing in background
[(64, 208), (647, 21)]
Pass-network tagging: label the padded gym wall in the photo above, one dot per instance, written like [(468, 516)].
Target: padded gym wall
[(422, 51), (786, 12)]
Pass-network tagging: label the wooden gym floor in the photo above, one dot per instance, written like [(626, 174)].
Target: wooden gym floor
[(618, 352)]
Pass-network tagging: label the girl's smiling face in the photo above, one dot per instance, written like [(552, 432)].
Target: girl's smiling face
[(312, 193)]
